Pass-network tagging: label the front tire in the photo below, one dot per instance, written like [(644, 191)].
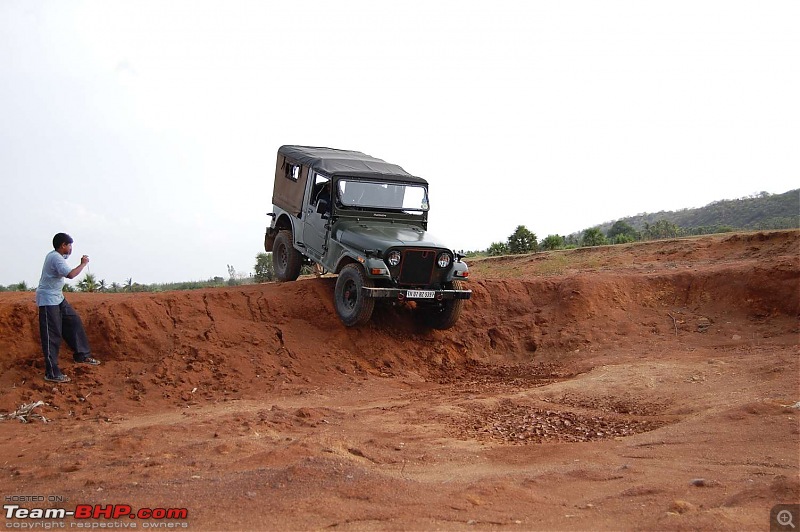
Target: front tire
[(351, 305), (286, 260), (445, 315)]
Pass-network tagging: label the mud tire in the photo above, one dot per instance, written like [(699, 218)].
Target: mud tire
[(351, 305), (286, 260), (446, 314)]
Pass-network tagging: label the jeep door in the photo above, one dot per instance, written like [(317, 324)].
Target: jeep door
[(317, 215)]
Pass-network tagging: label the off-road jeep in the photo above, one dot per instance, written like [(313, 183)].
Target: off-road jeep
[(366, 220)]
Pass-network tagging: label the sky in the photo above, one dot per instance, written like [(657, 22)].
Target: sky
[(148, 130)]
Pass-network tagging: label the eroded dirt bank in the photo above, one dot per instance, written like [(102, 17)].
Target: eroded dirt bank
[(640, 386)]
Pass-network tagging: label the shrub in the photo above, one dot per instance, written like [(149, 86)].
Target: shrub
[(553, 242), (497, 248)]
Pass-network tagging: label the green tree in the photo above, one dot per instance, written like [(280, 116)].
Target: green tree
[(521, 241), (552, 242), (497, 248), (621, 227), (88, 283), (661, 229), (622, 239), (264, 271), (593, 237)]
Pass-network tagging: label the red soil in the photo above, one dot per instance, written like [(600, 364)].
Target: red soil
[(645, 386)]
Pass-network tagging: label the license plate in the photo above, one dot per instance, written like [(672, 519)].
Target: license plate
[(420, 294)]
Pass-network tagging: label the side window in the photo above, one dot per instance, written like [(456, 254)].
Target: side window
[(292, 171), (321, 190)]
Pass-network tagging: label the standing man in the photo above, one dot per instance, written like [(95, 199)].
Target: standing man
[(57, 319)]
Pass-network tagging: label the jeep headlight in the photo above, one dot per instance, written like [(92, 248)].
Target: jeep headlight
[(444, 260), (393, 258)]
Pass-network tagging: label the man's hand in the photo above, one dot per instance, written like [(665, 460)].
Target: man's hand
[(79, 268)]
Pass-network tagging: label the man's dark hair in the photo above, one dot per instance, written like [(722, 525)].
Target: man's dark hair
[(61, 238)]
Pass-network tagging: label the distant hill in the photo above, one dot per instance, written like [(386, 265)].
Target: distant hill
[(763, 211)]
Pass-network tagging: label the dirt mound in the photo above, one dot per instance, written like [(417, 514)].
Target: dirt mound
[(185, 347), (591, 347)]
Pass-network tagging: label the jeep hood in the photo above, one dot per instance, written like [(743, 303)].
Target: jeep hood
[(382, 236)]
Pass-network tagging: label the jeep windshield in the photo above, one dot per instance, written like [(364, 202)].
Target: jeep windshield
[(376, 195)]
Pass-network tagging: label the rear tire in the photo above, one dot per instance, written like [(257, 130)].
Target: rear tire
[(445, 315), (286, 260), (351, 305)]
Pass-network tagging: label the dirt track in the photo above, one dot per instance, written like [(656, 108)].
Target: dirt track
[(646, 386)]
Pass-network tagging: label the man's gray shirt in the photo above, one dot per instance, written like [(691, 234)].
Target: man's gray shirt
[(54, 271)]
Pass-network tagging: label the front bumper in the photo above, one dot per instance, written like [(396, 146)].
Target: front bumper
[(402, 294)]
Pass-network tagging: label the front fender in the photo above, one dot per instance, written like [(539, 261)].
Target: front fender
[(374, 267), (348, 256), (459, 271)]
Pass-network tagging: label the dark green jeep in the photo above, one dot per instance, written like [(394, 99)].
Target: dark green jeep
[(366, 220)]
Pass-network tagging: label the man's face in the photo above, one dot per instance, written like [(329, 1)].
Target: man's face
[(65, 249)]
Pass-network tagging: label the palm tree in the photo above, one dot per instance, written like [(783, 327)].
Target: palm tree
[(88, 283)]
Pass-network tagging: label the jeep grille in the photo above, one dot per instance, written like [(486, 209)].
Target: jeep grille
[(416, 266)]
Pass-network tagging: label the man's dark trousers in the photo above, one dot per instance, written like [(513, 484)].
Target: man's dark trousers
[(57, 322)]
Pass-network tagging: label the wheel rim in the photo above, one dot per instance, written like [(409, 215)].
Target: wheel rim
[(283, 257), (350, 295)]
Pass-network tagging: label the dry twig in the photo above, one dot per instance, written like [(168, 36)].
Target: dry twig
[(674, 322), (25, 413)]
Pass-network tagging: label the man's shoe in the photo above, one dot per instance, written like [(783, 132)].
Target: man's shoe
[(60, 378), (91, 361)]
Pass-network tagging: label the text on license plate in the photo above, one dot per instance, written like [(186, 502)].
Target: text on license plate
[(420, 294)]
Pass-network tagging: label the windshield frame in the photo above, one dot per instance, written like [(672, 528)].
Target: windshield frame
[(383, 190)]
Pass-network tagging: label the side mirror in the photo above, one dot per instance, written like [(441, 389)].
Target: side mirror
[(322, 207)]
